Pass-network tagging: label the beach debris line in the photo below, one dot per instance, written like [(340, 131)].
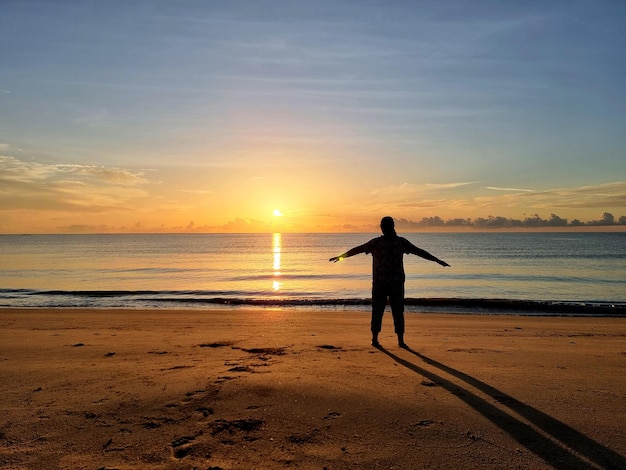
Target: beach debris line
[(273, 351), (329, 346), (243, 424), (215, 345)]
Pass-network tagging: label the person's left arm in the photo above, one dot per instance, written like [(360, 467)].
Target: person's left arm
[(412, 249)]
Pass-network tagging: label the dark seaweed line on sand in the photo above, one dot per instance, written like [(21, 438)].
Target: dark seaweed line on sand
[(488, 305)]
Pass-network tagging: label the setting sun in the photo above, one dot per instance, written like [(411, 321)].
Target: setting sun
[(278, 213)]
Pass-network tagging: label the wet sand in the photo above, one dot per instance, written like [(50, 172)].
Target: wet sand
[(290, 388)]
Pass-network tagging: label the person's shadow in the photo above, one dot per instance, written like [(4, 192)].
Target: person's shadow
[(570, 449)]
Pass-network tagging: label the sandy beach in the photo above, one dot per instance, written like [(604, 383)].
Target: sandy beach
[(287, 388)]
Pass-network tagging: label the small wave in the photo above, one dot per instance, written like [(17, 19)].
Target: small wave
[(526, 306), (183, 298), (291, 277)]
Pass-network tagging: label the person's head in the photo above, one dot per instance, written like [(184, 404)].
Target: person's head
[(387, 225)]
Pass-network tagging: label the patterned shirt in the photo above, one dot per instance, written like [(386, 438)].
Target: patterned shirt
[(388, 258)]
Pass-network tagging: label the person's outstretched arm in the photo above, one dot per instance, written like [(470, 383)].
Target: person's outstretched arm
[(351, 252), (425, 254)]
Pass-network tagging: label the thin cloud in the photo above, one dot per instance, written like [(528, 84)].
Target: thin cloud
[(105, 174), (413, 188), (449, 185), (245, 225), (198, 192), (517, 190), (17, 170), (424, 204), (395, 190), (13, 169), (603, 197), (421, 199), (597, 196), (61, 187)]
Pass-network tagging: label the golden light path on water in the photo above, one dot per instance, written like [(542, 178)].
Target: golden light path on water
[(277, 244)]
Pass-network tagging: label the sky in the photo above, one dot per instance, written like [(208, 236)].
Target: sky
[(286, 115)]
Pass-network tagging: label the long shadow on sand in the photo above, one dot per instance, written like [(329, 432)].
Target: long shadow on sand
[(562, 454)]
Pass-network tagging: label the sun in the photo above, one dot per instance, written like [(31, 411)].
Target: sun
[(278, 213)]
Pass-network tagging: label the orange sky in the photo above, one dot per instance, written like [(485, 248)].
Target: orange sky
[(50, 198), (207, 116)]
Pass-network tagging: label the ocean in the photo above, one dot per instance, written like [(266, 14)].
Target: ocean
[(523, 273)]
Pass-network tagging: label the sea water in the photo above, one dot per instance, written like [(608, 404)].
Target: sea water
[(576, 272)]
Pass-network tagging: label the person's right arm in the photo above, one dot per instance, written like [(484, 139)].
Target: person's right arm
[(351, 252)]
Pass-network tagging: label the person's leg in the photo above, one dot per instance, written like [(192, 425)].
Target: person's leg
[(379, 300), (396, 302)]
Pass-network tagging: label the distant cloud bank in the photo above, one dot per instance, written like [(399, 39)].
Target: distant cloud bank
[(534, 221)]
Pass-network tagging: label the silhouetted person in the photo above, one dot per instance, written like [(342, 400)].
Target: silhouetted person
[(388, 275)]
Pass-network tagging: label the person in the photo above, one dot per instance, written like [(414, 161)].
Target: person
[(388, 275)]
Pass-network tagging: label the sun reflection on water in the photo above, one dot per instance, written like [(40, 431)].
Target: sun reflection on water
[(277, 244)]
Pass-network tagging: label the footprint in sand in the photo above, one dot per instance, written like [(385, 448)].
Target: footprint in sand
[(246, 425), (240, 369), (264, 351), (224, 378), (205, 411), (215, 345), (330, 347), (181, 447)]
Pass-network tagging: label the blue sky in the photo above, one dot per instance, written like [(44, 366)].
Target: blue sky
[(209, 114)]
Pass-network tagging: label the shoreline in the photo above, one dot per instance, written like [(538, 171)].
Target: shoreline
[(131, 300), (275, 388)]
